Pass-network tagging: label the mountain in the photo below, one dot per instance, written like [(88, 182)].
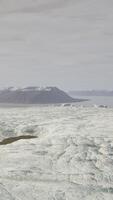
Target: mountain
[(35, 95), (91, 93)]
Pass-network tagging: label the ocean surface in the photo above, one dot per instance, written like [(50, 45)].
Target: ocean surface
[(96, 100), (71, 157)]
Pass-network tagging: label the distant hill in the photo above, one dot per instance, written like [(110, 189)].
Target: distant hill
[(35, 95), (91, 93)]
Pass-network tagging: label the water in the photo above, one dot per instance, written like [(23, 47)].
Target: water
[(96, 100)]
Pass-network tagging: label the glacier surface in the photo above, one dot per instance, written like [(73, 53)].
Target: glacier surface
[(71, 158)]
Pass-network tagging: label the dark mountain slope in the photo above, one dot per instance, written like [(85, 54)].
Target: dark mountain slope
[(35, 95)]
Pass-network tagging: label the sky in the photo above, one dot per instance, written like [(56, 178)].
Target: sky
[(68, 44)]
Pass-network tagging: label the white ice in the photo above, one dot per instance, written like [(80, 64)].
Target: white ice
[(71, 158)]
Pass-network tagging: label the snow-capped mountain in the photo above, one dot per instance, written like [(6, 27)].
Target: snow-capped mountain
[(35, 95)]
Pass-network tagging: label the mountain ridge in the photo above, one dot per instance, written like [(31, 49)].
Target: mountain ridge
[(35, 95)]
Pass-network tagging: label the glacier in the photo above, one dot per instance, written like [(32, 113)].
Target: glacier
[(71, 158)]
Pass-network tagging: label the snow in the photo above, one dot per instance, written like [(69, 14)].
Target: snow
[(24, 89), (71, 158), (36, 89)]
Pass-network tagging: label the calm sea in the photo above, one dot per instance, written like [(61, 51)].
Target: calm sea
[(96, 100)]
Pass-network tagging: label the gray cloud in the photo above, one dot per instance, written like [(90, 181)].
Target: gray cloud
[(69, 46)]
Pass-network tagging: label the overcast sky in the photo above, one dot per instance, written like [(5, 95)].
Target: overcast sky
[(68, 44)]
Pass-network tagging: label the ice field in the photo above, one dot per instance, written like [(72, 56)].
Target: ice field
[(71, 158)]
